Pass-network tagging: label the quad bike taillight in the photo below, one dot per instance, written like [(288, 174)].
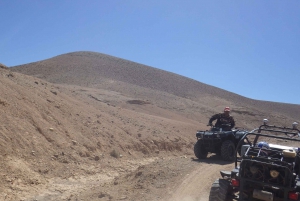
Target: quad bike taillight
[(293, 195), (235, 182)]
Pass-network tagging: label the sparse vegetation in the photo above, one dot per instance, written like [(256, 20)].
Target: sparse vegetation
[(114, 153), (3, 66), (3, 103)]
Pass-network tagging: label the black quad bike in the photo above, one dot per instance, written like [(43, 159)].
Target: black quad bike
[(264, 171), (219, 142)]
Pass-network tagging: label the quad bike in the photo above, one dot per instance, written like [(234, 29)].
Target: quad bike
[(263, 171), (219, 142)]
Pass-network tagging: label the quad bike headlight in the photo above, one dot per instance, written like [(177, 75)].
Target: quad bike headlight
[(274, 174)]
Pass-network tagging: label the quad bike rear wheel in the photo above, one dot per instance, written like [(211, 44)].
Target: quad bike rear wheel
[(199, 150)]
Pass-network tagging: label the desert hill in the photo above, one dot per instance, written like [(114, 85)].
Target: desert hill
[(51, 132), (100, 71), (81, 119)]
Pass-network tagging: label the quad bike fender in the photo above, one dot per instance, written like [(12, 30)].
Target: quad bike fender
[(228, 136), (239, 134)]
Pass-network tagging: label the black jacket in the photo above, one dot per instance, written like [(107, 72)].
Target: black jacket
[(224, 122)]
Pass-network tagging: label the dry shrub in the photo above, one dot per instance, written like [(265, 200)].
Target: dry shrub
[(3, 66), (115, 154)]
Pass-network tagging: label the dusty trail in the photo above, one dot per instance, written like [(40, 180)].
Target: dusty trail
[(78, 186), (170, 178), (195, 186)]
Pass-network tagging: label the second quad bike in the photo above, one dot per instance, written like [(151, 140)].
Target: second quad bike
[(264, 171), (219, 142)]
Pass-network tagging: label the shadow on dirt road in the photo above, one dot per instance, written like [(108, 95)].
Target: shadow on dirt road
[(214, 159)]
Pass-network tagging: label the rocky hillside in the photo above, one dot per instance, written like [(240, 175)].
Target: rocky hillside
[(100, 71), (50, 130), (80, 113)]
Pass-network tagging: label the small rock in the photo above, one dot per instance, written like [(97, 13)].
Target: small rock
[(139, 173), (74, 142), (54, 92), (102, 195)]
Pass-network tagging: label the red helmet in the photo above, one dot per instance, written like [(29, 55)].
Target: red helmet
[(227, 109)]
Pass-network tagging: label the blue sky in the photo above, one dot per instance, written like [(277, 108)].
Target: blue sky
[(250, 48)]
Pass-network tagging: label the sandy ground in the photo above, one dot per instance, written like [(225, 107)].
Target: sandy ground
[(179, 178)]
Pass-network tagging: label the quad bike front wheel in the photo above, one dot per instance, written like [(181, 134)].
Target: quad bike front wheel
[(199, 150), (228, 150)]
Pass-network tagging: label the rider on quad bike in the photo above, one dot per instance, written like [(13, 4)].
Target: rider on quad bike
[(224, 120), (221, 139)]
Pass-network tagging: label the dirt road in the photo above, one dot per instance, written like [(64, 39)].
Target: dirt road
[(171, 178), (195, 186)]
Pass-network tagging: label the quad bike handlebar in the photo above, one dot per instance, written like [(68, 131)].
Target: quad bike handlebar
[(213, 127), (222, 125)]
